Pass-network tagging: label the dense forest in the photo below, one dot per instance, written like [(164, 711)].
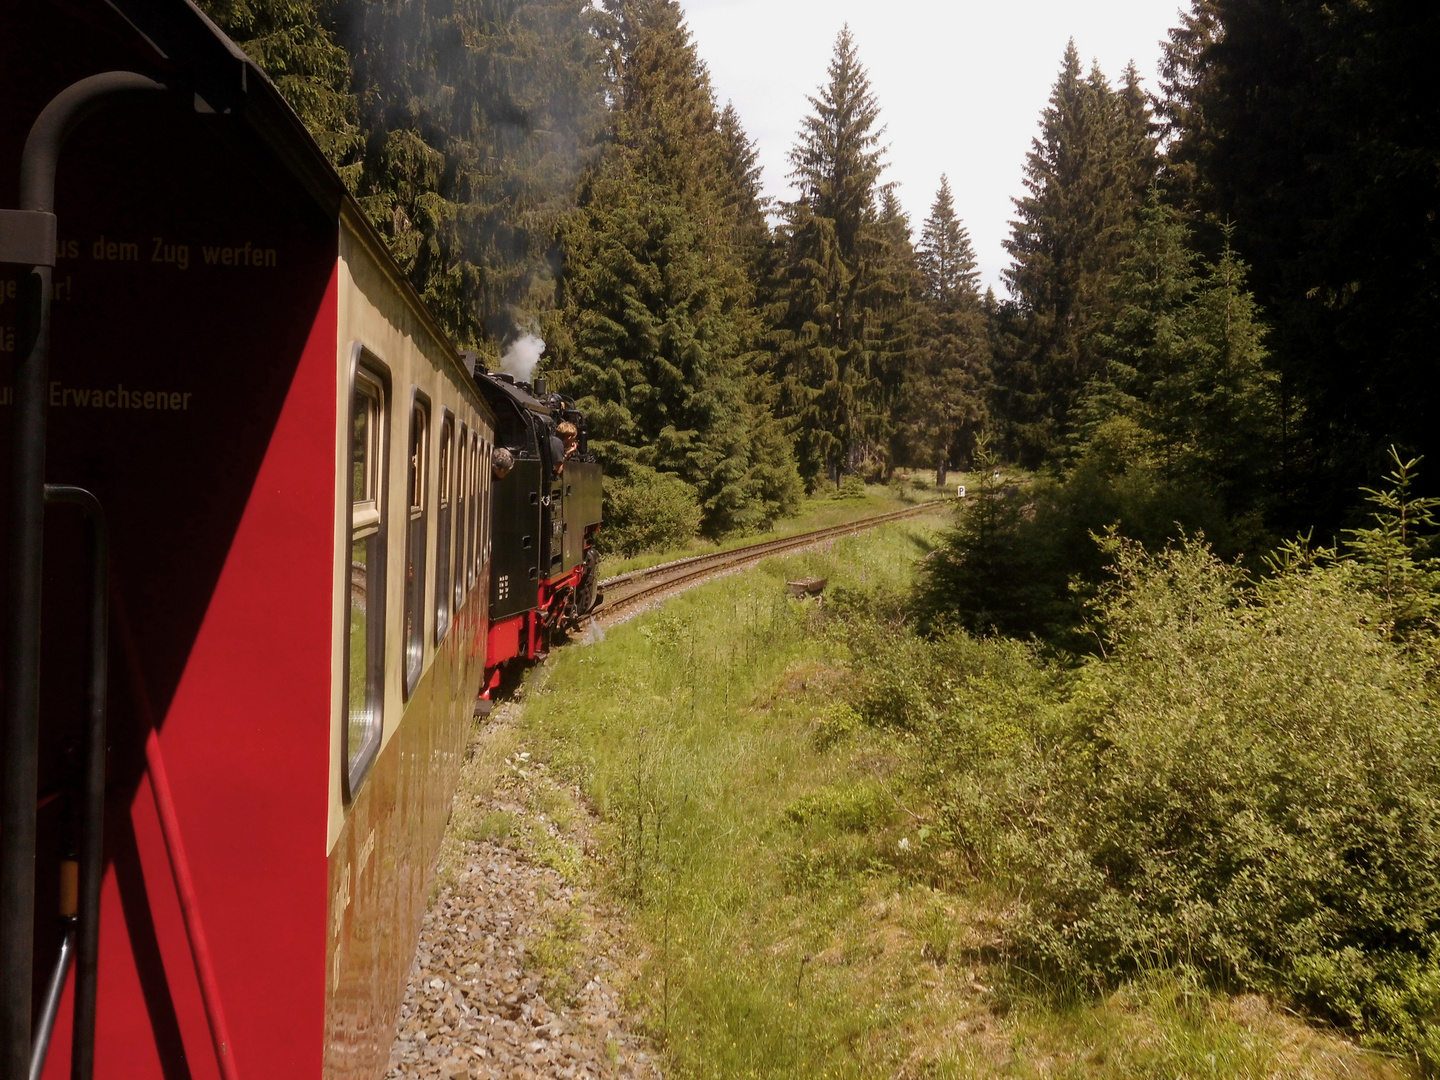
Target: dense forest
[(1223, 293)]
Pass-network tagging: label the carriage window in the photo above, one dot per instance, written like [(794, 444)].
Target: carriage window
[(365, 652), (474, 506), (487, 476), (462, 501), (418, 500), (444, 497)]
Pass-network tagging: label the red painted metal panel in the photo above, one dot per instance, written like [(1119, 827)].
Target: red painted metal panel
[(504, 640)]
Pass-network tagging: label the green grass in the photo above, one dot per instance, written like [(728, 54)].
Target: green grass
[(818, 511), (765, 851)]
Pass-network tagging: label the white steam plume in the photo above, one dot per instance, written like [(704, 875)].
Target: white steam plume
[(522, 356)]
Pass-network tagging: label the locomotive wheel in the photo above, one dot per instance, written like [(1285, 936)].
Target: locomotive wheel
[(587, 591)]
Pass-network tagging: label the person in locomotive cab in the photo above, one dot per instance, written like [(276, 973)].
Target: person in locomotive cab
[(568, 432), (501, 462)]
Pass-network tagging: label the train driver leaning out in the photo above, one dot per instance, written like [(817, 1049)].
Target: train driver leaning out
[(501, 462)]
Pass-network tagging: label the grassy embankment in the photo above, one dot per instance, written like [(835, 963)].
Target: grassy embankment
[(825, 508), (770, 855)]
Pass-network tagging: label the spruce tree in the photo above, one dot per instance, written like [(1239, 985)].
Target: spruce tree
[(1312, 128), (293, 42), (1086, 177), (1228, 393), (947, 259), (1142, 350), (827, 278), (745, 196), (661, 309), (944, 407), (479, 117)]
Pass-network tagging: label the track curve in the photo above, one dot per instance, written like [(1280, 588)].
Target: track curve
[(626, 594)]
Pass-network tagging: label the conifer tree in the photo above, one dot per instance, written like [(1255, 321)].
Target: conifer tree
[(827, 279), (1086, 176), (944, 402), (1312, 127), (1142, 349), (947, 259), (1186, 361), (745, 197), (479, 118), (1228, 392), (293, 42), (662, 311)]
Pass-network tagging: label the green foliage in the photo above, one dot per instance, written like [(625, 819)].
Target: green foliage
[(1312, 127), (647, 510), (835, 725), (294, 43), (942, 402), (1394, 557), (1244, 780), (848, 809), (661, 308), (835, 273), (998, 570), (1178, 431), (1086, 178), (478, 120)]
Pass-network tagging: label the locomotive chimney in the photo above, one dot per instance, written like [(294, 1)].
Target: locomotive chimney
[(539, 387)]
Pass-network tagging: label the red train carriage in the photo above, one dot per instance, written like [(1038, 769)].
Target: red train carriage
[(293, 466)]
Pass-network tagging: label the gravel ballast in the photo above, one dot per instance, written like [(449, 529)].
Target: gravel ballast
[(518, 972)]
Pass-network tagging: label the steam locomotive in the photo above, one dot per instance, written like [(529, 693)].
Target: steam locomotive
[(547, 509), (280, 536)]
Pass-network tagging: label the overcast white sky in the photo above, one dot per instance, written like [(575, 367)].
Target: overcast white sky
[(960, 83)]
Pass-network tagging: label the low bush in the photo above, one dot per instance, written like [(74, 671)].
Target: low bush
[(1244, 779), (646, 510)]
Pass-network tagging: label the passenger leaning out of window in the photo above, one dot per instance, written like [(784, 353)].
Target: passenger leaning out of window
[(567, 431)]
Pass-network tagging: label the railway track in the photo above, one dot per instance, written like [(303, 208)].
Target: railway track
[(625, 594)]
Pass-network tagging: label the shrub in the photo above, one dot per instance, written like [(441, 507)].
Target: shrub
[(833, 726), (1244, 779), (647, 510), (851, 487), (1247, 780), (1022, 558)]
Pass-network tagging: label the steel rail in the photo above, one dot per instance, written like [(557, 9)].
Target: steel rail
[(640, 586)]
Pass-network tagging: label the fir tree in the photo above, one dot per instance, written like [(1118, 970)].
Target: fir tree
[(293, 42), (1227, 391), (1185, 360), (1086, 176), (944, 400), (479, 117), (827, 279), (745, 197), (1143, 348), (664, 327), (947, 259), (1312, 127)]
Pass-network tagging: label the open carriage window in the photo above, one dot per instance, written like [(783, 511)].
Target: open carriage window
[(365, 649), (415, 536)]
